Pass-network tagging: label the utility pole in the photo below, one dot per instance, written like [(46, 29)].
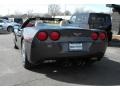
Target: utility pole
[(8, 12), (65, 10)]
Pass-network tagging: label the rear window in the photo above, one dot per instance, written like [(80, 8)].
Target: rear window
[(100, 19), (18, 20)]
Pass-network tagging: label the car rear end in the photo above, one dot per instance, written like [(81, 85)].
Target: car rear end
[(57, 44)]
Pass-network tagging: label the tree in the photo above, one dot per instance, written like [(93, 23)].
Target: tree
[(79, 10), (82, 10), (47, 15), (67, 13), (17, 13), (30, 13), (53, 9)]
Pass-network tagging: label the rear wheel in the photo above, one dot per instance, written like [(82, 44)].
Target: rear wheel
[(109, 34), (15, 46), (25, 61), (10, 29)]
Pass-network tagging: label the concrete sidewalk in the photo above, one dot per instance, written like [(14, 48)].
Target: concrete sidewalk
[(116, 37)]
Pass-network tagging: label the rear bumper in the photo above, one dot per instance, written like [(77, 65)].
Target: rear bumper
[(58, 51), (69, 55)]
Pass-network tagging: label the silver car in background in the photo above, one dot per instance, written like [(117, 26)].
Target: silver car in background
[(7, 26)]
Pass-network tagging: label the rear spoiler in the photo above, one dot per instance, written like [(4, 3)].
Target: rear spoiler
[(40, 18)]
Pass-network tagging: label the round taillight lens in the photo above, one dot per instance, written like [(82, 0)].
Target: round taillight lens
[(42, 36), (94, 36), (55, 36), (102, 36)]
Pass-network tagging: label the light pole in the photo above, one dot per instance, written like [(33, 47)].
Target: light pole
[(65, 10)]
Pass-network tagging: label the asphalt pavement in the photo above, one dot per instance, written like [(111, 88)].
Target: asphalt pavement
[(106, 72)]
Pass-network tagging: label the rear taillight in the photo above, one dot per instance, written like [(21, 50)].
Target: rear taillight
[(94, 36), (102, 36), (54, 36), (42, 36)]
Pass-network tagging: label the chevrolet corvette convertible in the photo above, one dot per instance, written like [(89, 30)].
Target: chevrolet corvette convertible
[(43, 39)]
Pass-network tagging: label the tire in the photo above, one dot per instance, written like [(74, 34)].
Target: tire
[(25, 61), (109, 34), (10, 29), (15, 46)]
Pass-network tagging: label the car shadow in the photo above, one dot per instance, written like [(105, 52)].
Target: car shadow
[(115, 43), (103, 73)]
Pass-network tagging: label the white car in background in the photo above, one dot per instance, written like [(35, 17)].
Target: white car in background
[(7, 26)]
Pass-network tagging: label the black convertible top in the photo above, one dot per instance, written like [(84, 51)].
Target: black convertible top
[(40, 18), (46, 18)]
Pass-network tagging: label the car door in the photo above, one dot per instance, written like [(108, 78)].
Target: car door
[(3, 24)]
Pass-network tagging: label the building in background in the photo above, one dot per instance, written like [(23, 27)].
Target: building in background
[(115, 18)]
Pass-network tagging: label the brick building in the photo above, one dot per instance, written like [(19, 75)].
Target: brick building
[(115, 18)]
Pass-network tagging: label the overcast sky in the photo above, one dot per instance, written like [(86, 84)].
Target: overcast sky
[(41, 6)]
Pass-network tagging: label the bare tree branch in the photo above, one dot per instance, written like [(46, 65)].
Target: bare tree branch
[(53, 9)]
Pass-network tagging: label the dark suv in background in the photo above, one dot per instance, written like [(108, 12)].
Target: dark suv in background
[(18, 20), (100, 21)]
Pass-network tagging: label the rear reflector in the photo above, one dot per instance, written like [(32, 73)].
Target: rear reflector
[(102, 36), (94, 36), (55, 36), (42, 36)]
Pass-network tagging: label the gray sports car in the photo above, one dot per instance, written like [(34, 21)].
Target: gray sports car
[(42, 39)]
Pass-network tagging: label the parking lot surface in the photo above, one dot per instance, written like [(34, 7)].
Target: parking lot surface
[(105, 72)]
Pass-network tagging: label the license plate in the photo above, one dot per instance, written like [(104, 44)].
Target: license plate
[(75, 46)]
